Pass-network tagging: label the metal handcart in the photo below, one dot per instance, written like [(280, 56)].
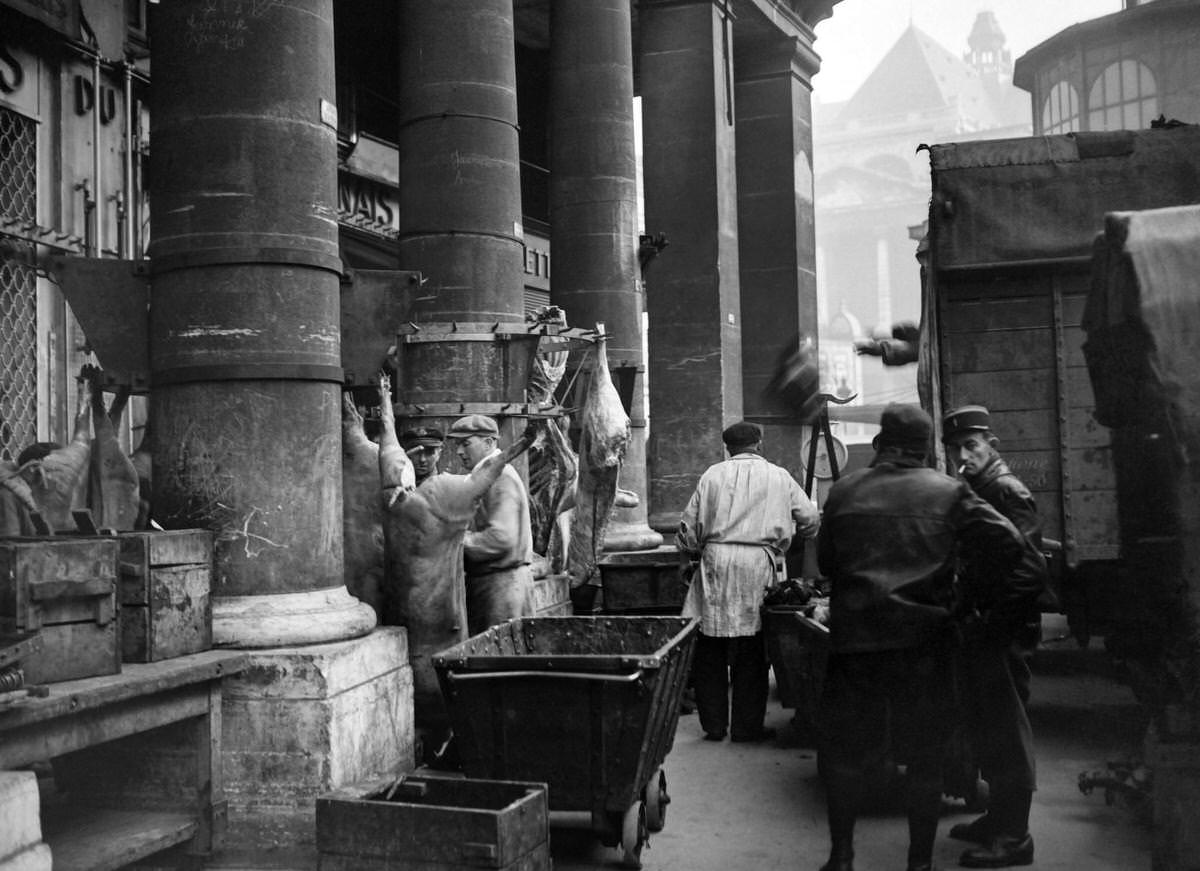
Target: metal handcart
[(587, 705)]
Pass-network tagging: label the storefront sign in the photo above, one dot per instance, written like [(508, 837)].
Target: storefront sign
[(368, 205), (61, 15), (537, 261)]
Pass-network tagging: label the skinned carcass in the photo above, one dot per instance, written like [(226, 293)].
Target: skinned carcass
[(424, 587), (113, 491), (141, 459), (18, 509), (604, 438), (59, 479), (553, 465), (362, 510)]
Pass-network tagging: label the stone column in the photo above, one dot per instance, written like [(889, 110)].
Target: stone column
[(695, 334), (460, 177), (245, 352), (460, 215), (245, 405), (593, 210), (776, 242)]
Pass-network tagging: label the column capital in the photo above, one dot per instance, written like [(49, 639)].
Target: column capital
[(774, 56)]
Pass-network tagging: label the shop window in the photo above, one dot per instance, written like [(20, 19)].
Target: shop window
[(18, 284), (1060, 111), (1123, 97)]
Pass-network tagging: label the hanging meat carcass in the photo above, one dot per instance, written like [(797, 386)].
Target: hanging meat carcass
[(604, 437), (424, 588), (113, 490), (59, 479), (553, 465), (142, 464), (362, 510), (17, 507)]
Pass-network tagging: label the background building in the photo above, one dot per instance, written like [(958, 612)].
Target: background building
[(873, 185), (1117, 72)]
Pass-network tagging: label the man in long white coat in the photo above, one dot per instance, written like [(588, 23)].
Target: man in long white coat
[(737, 527)]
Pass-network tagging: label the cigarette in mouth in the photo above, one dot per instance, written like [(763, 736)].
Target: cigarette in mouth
[(962, 468)]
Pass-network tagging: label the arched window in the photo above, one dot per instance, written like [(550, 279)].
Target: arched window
[(1123, 97), (1060, 111)]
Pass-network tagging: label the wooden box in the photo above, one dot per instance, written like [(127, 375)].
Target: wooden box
[(166, 593), (434, 824), (643, 582), (64, 589)]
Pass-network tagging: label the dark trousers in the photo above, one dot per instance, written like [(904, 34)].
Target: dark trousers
[(879, 709), (996, 688), (722, 664)]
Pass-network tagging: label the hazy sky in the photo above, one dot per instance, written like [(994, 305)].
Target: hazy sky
[(860, 32)]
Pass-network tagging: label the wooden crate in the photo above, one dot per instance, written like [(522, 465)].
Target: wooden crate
[(64, 589), (166, 594), (642, 582), (434, 824)]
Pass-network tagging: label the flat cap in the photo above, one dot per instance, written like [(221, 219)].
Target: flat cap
[(904, 426), (473, 424), (967, 418), (421, 437), (742, 433)]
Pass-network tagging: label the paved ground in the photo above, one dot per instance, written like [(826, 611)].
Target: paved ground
[(738, 806)]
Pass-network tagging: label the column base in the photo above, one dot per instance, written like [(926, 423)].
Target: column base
[(301, 721), (635, 535), (286, 619)]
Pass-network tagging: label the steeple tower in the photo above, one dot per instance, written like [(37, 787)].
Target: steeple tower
[(988, 55)]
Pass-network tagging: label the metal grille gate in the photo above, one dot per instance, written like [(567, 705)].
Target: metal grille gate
[(18, 285)]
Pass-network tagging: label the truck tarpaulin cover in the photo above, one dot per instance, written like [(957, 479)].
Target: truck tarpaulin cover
[(1143, 320), (1039, 198)]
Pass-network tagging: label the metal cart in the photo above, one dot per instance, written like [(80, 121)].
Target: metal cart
[(587, 705)]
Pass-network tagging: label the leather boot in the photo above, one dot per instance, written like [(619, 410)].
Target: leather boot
[(980, 830), (839, 860), (1004, 851)]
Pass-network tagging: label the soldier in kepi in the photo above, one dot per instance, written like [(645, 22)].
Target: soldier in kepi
[(498, 547), (889, 543), (1002, 626)]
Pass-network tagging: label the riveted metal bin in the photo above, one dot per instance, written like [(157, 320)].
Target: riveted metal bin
[(587, 705)]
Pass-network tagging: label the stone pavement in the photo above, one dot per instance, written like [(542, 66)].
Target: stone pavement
[(739, 806)]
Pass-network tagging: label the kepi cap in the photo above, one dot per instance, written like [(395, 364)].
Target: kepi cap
[(965, 419), (473, 424), (421, 437), (742, 433), (904, 426)]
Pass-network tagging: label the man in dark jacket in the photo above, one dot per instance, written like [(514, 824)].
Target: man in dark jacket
[(1003, 628), (889, 543)]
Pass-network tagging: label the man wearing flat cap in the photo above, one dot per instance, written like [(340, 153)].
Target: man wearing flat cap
[(498, 547), (1004, 628), (424, 448), (737, 526), (889, 543)]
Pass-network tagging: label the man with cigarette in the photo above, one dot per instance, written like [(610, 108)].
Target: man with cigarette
[(889, 543), (1002, 628)]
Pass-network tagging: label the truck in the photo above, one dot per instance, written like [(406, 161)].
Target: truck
[(1007, 271)]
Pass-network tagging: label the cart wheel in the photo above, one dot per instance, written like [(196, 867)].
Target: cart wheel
[(633, 835), (656, 802)]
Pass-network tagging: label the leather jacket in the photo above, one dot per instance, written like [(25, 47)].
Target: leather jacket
[(889, 543)]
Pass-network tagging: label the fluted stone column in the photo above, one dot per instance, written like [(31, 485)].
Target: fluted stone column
[(695, 332), (593, 210)]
